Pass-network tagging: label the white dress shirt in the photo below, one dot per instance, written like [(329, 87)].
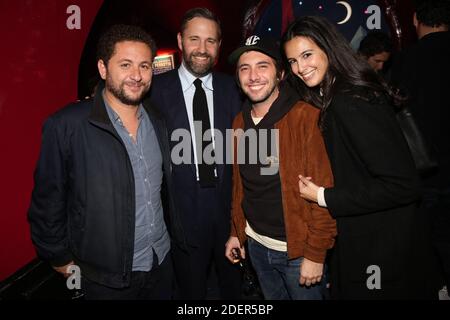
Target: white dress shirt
[(321, 197), (187, 84)]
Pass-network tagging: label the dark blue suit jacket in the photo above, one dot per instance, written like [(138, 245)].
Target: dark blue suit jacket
[(167, 95)]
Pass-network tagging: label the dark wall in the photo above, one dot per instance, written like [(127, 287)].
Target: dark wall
[(162, 20)]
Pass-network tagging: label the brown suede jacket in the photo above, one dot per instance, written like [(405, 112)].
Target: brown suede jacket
[(310, 230)]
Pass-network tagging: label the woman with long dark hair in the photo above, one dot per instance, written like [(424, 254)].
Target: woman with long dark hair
[(375, 182)]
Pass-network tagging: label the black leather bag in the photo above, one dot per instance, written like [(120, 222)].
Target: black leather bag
[(422, 154)]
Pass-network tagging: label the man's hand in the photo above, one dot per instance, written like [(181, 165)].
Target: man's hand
[(233, 243), (63, 269), (310, 272)]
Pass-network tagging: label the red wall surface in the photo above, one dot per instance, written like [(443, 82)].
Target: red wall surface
[(39, 73)]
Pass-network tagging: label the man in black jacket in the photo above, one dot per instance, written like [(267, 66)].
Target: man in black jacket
[(97, 198), (422, 71)]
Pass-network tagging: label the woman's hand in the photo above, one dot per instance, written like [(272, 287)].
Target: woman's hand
[(308, 190)]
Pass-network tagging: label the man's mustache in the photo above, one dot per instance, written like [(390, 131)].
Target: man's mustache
[(134, 83), (203, 55)]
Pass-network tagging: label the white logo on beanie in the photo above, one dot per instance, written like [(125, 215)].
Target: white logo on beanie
[(251, 41)]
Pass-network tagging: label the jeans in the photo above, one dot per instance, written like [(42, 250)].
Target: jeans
[(279, 277)]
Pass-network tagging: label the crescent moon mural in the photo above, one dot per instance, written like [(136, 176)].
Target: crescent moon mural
[(349, 11)]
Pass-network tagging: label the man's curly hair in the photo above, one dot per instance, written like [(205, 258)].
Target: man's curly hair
[(118, 33)]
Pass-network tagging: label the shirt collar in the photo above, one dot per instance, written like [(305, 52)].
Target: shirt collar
[(114, 117), (187, 79)]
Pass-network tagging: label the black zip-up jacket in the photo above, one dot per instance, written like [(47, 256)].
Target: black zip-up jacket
[(83, 202)]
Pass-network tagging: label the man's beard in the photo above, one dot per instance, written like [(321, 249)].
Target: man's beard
[(119, 93), (198, 70)]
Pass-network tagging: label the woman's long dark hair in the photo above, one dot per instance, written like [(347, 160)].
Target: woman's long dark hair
[(346, 71)]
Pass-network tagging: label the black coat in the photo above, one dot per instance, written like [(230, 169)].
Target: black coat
[(83, 202), (422, 72), (373, 199)]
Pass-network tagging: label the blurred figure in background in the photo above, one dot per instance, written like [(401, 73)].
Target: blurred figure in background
[(376, 48), (422, 72)]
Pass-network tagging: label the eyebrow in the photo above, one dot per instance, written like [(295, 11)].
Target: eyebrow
[(258, 63), (199, 37), (300, 54), (128, 60), (306, 51)]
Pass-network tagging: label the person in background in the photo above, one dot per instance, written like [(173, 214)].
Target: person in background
[(421, 71), (376, 48)]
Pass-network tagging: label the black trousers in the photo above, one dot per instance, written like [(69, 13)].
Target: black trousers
[(157, 284), (436, 206), (192, 267)]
